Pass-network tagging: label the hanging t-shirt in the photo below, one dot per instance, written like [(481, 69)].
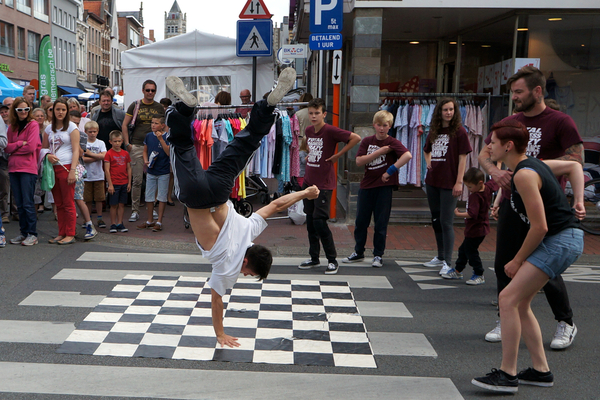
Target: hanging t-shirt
[(321, 146), (162, 163), (118, 166), (228, 252), (143, 120), (478, 208), (95, 170), (445, 152), (60, 143), (375, 169)]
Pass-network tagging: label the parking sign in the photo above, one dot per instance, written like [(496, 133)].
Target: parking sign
[(326, 16)]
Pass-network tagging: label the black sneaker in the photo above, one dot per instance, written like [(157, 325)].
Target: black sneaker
[(332, 269), (121, 228), (534, 377), (309, 264), (113, 228), (498, 381), (353, 258)]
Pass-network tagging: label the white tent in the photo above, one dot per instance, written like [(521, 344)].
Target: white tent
[(193, 54)]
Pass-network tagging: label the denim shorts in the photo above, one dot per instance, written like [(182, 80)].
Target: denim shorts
[(79, 189), (557, 252), (157, 181)]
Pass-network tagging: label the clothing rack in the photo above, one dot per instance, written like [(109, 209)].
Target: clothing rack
[(288, 104), (488, 97)]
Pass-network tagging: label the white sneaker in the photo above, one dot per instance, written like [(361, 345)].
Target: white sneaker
[(134, 216), (331, 269), (495, 335), (434, 263), (30, 240), (377, 262), (176, 86), (18, 240), (564, 335), (476, 280), (286, 81), (445, 268)]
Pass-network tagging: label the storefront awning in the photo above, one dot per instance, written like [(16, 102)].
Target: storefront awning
[(85, 86), (70, 91)]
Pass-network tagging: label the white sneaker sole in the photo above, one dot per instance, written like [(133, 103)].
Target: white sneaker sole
[(176, 86), (284, 84), (332, 272), (493, 340), (564, 346), (506, 389), (430, 265)]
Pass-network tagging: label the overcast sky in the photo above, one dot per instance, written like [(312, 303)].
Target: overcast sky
[(212, 16)]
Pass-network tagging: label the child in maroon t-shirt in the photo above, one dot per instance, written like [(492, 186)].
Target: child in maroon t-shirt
[(322, 140), (382, 156), (477, 225)]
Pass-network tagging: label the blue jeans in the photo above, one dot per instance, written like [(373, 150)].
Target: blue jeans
[(22, 185)]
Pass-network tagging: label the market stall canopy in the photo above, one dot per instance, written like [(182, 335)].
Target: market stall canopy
[(8, 88), (194, 54), (70, 91)]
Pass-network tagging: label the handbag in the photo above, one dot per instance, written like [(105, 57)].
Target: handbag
[(47, 182), (131, 125)]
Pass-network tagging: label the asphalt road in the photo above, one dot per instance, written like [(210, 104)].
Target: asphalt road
[(451, 316)]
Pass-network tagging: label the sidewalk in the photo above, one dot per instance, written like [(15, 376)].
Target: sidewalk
[(286, 239)]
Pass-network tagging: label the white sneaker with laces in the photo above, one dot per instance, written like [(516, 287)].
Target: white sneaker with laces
[(286, 81), (134, 216), (445, 268), (30, 240), (377, 262), (564, 336), (176, 86), (495, 335), (18, 240), (476, 280), (434, 263)]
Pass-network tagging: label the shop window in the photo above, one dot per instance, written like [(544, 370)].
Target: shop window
[(568, 47), (402, 61), (33, 45), (21, 42), (7, 39)]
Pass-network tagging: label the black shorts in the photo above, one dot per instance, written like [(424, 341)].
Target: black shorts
[(119, 197)]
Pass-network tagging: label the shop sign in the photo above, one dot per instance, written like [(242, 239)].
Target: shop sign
[(5, 68), (325, 41), (294, 50)]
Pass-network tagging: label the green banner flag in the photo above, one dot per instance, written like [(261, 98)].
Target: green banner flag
[(47, 69)]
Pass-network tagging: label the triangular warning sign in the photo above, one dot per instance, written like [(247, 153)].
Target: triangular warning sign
[(255, 9), (254, 42)]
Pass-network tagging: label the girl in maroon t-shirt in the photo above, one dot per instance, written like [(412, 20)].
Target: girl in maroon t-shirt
[(445, 152)]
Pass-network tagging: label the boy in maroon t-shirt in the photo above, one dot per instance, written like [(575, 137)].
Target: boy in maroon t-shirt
[(382, 156), (117, 169), (477, 225), (322, 140)]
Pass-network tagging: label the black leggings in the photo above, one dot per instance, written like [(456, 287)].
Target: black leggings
[(510, 236), (195, 187)]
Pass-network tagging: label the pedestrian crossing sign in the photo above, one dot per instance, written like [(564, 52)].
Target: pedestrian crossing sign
[(254, 38)]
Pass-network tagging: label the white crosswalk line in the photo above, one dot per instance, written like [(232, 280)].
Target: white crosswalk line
[(46, 298), (383, 309), (44, 332), (401, 344), (92, 380)]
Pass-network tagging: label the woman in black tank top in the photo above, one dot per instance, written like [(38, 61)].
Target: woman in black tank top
[(539, 200)]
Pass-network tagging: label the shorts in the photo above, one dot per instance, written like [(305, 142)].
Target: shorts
[(120, 195), (79, 190), (94, 191), (557, 252), (319, 207), (157, 181)]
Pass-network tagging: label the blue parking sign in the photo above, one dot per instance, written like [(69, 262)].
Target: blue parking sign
[(254, 38), (326, 16)]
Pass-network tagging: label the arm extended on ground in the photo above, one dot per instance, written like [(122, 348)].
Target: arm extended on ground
[(286, 201)]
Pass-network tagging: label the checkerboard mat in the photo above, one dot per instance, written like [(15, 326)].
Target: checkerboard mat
[(276, 322)]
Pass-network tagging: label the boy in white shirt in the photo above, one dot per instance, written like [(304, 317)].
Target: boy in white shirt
[(94, 190)]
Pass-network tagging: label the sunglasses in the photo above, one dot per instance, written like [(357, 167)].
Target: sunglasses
[(150, 90), (26, 109)]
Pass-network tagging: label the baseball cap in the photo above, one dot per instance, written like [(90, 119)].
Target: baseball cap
[(3, 106)]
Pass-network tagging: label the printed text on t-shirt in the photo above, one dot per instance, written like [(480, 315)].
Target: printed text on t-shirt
[(315, 146), (379, 161), (535, 136), (440, 148)]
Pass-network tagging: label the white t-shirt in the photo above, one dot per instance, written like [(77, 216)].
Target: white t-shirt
[(95, 172), (227, 254), (60, 143)]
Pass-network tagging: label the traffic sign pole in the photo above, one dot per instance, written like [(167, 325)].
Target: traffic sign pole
[(254, 79)]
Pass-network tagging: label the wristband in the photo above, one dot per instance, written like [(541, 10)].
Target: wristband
[(392, 170)]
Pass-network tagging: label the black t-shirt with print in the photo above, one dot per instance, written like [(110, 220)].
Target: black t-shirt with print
[(106, 124), (143, 120)]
